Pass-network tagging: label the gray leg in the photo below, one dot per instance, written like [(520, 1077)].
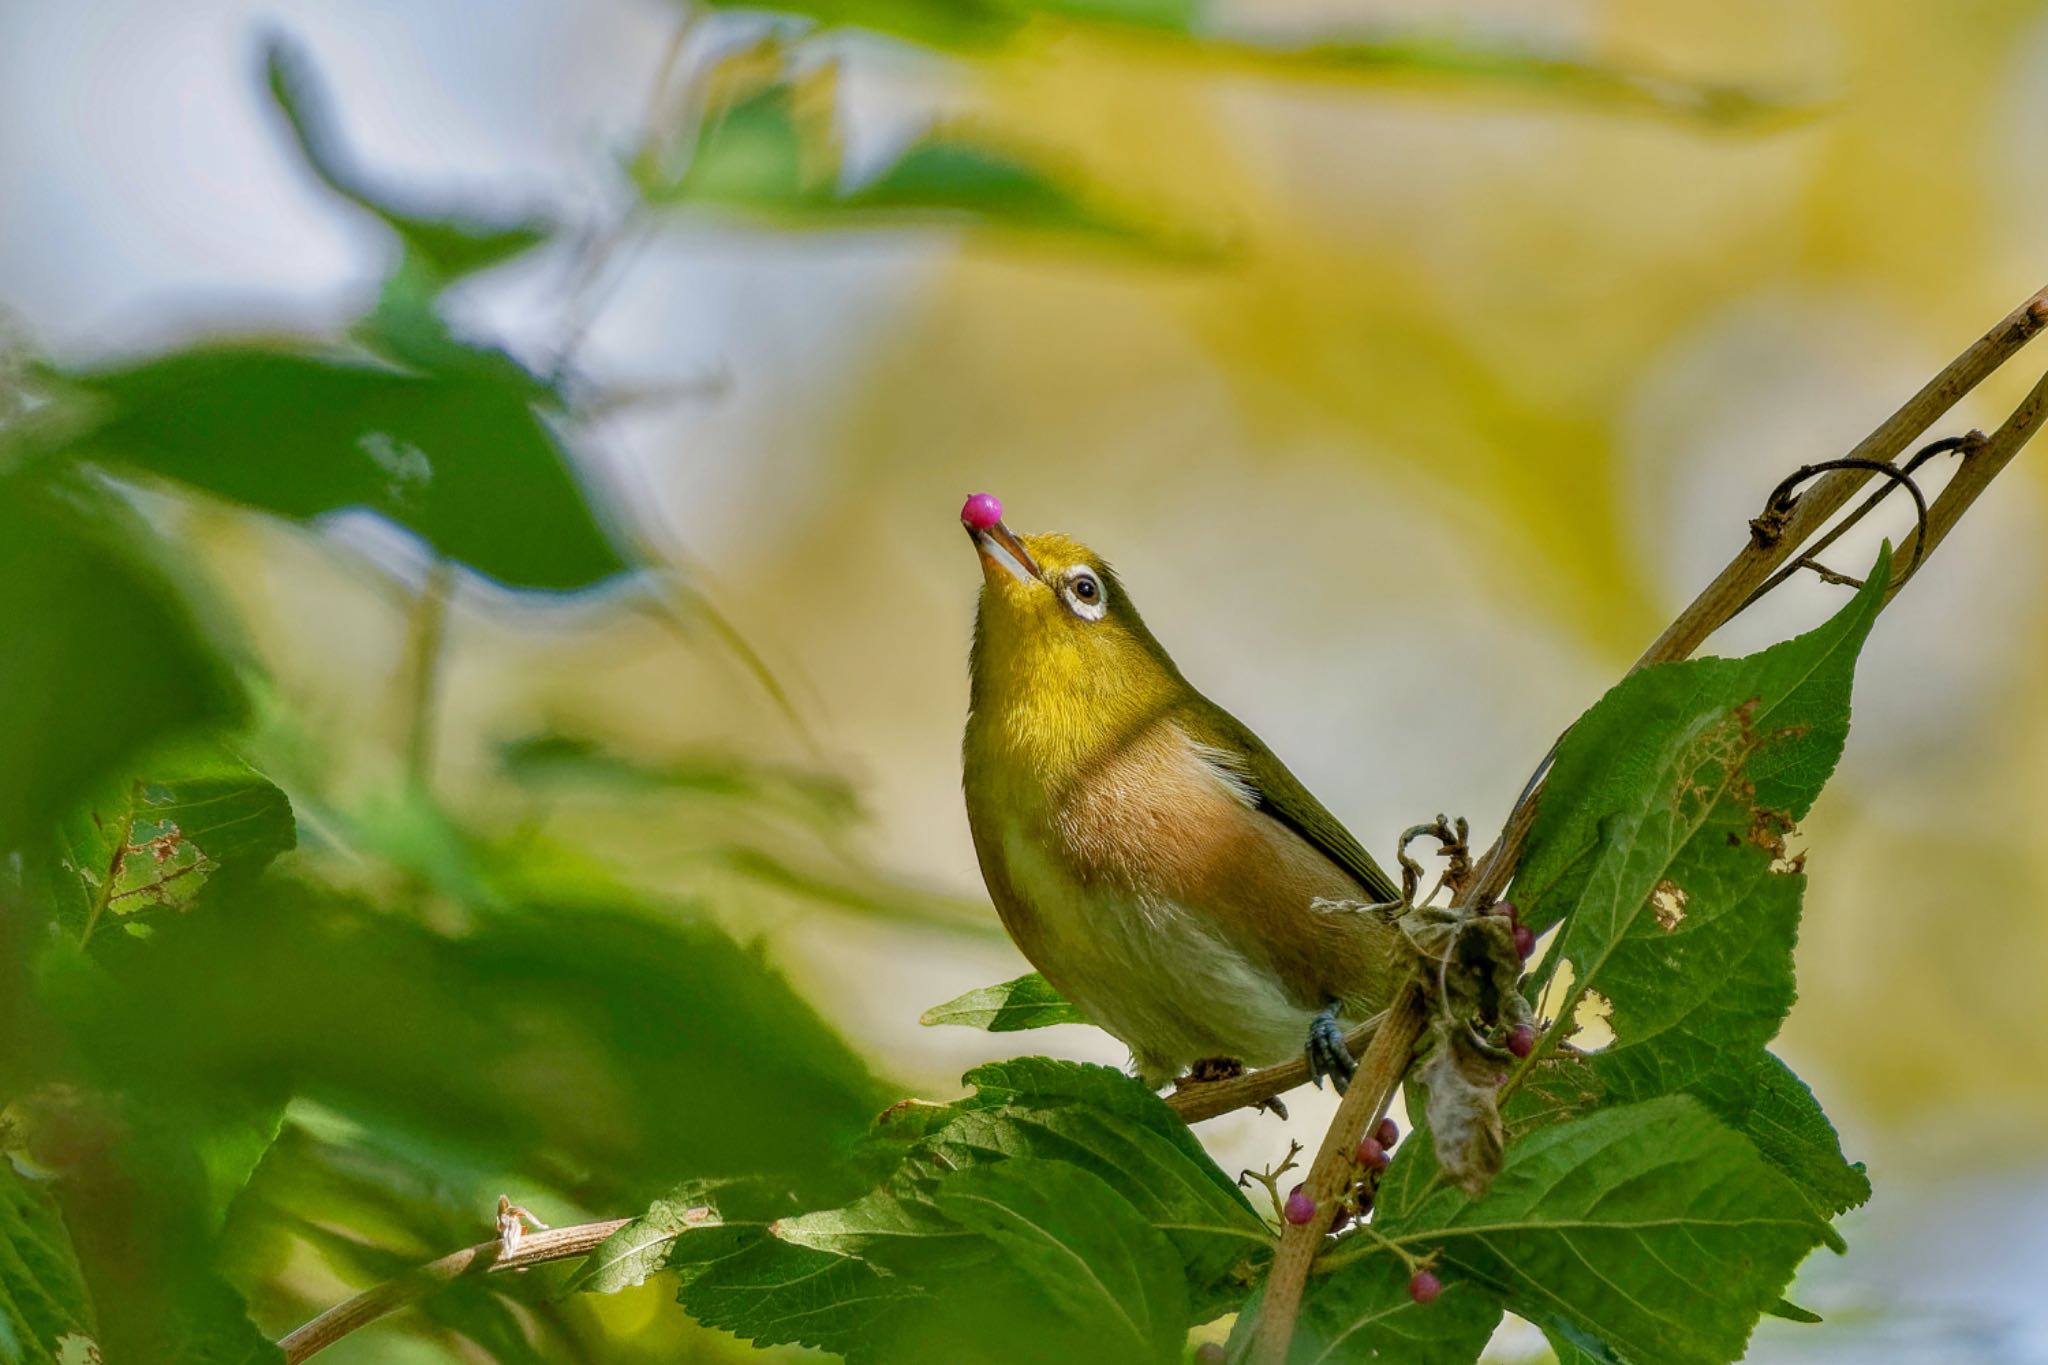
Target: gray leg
[(1327, 1055)]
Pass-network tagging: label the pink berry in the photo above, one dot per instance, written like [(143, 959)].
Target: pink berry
[(1210, 1353), (1508, 908), (1372, 1154), (1525, 942), (1388, 1133), (1522, 1041), (982, 511), (1423, 1287), (1300, 1208)]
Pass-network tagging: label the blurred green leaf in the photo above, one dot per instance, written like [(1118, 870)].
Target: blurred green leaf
[(155, 839), (133, 1194), (44, 1311), (636, 1051), (449, 245), (1025, 1003), (460, 459), (773, 153), (817, 799), (1175, 30), (102, 655)]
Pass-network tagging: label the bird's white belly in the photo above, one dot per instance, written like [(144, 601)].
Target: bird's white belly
[(1152, 972)]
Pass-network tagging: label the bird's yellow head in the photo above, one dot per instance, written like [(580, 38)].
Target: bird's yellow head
[(1063, 665)]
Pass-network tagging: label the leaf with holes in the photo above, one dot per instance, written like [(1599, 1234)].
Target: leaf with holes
[(1661, 844), (157, 838)]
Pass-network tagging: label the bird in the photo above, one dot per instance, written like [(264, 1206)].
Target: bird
[(1149, 855)]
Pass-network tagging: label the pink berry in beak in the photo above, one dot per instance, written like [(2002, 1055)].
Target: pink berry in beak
[(981, 511), (1522, 1041)]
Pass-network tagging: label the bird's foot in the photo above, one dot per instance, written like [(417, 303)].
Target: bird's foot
[(1327, 1055)]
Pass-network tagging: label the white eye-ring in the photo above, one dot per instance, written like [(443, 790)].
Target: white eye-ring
[(1085, 595)]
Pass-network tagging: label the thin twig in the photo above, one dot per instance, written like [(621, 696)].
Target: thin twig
[(1379, 1075), (535, 1248)]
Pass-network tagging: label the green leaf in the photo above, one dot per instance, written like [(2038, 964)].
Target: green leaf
[(607, 1041), (451, 245), (1661, 842), (902, 1258), (102, 655), (739, 1279), (1025, 1003), (460, 459), (1651, 1227), (187, 815), (1362, 1312), (1177, 30), (637, 1250), (1105, 1284), (44, 1308), (772, 152)]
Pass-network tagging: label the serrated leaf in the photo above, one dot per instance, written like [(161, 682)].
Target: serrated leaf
[(1025, 1003), (1111, 1281), (1651, 1227), (43, 1300), (462, 460), (906, 1252), (739, 1279), (1660, 842), (102, 655), (1362, 1312)]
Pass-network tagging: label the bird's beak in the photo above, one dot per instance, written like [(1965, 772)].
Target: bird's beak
[(1000, 550)]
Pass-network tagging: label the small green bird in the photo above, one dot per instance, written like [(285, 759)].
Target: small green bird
[(1149, 855)]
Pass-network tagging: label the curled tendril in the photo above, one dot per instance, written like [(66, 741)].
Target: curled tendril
[(1785, 497)]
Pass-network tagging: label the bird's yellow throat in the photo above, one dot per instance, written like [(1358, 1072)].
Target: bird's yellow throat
[(1052, 689)]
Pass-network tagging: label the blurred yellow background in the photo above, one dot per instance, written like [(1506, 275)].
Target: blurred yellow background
[(1483, 380)]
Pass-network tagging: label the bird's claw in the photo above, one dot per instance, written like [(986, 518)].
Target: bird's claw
[(1327, 1055)]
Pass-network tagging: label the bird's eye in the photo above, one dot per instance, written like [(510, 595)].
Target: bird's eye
[(1084, 595)]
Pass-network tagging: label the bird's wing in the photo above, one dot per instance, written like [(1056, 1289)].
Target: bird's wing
[(1244, 761)]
